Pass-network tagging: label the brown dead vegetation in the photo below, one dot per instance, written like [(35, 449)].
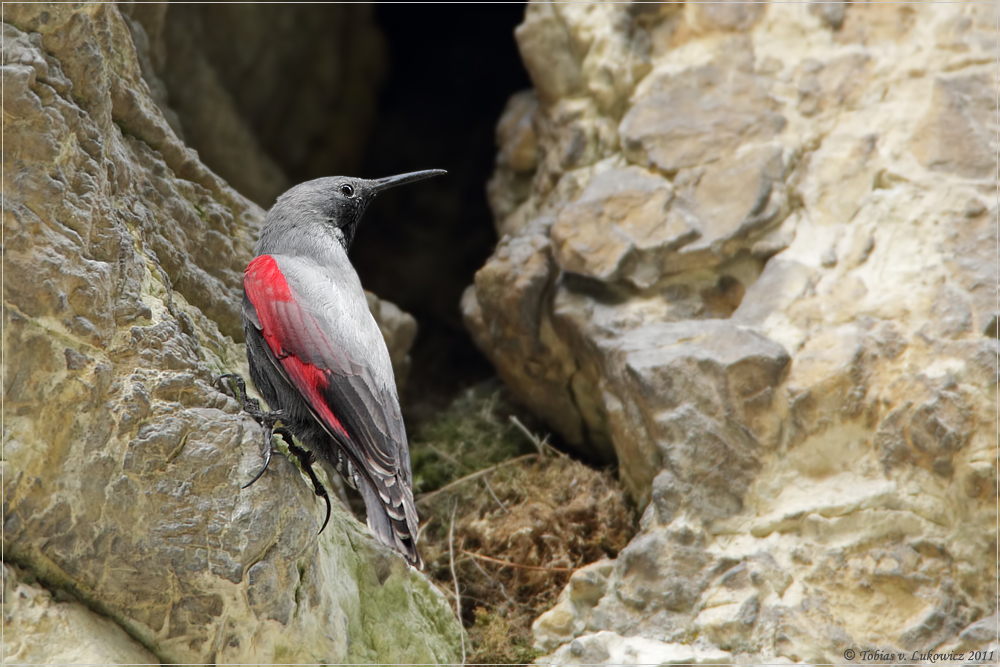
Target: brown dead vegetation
[(520, 528)]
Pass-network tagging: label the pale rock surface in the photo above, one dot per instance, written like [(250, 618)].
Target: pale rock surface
[(39, 629), (122, 465), (613, 649), (748, 253)]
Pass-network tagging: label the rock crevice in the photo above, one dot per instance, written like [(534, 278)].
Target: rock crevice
[(762, 245), (124, 465)]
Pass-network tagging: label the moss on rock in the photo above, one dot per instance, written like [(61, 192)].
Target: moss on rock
[(520, 521)]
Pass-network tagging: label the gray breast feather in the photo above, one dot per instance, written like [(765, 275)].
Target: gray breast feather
[(338, 303)]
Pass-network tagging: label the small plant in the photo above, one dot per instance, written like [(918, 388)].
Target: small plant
[(521, 518), (472, 434)]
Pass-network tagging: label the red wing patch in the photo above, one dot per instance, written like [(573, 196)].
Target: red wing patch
[(263, 279), (275, 302), (312, 382)]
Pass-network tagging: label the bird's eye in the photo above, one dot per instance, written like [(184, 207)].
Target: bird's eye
[(346, 190)]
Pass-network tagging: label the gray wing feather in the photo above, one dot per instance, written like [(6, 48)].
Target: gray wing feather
[(328, 326)]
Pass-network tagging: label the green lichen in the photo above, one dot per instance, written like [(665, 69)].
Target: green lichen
[(498, 641), (399, 612), (475, 432)]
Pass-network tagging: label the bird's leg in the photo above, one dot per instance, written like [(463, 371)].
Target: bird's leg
[(306, 458), (249, 405), (267, 420)]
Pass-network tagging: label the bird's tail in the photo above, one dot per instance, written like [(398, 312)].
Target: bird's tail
[(394, 523)]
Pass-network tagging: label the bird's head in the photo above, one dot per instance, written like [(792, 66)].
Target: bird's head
[(336, 202)]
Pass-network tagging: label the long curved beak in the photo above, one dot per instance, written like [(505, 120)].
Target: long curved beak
[(380, 184)]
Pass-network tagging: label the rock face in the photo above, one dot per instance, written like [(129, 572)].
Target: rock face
[(264, 90), (73, 633), (749, 253), (123, 509)]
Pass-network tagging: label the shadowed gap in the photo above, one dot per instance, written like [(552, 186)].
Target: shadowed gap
[(451, 70)]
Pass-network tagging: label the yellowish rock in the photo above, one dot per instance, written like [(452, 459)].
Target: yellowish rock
[(123, 466), (772, 303)]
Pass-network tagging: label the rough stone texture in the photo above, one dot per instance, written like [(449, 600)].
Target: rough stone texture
[(613, 649), (748, 253), (40, 629), (263, 91), (122, 465)]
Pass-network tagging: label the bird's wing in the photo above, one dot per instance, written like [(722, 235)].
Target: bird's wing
[(327, 345)]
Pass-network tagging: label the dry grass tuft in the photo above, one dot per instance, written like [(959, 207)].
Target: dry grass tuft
[(520, 530)]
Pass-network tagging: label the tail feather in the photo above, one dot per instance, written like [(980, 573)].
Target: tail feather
[(398, 534), (392, 514)]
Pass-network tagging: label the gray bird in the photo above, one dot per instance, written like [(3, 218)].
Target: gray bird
[(317, 356)]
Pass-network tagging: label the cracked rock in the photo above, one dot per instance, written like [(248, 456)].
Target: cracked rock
[(123, 466), (750, 262)]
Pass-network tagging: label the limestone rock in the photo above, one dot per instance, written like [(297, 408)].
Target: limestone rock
[(234, 82), (123, 465), (749, 258), (42, 630), (694, 117), (609, 648), (569, 617), (953, 135)]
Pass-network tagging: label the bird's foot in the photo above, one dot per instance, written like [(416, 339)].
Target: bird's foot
[(251, 406), (237, 387), (267, 420), (306, 458)]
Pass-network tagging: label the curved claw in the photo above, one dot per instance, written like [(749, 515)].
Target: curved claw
[(267, 420), (263, 469), (249, 405), (306, 458), (238, 389), (269, 430), (240, 383), (329, 509)]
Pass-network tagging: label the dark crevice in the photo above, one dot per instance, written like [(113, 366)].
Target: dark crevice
[(451, 70), (297, 596), (304, 91), (37, 570)]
